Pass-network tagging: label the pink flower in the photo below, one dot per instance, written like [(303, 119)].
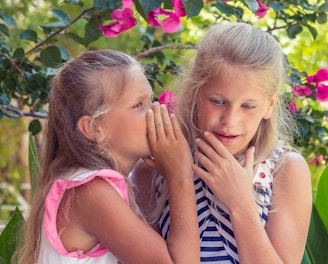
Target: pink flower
[(301, 90), (124, 21), (262, 10), (169, 99), (322, 92), (292, 107), (316, 160), (172, 21), (320, 76)]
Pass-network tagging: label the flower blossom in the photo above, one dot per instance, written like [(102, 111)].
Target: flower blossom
[(169, 99), (172, 21), (317, 160), (320, 79), (301, 90), (124, 20), (292, 107), (320, 76), (322, 92), (262, 10)]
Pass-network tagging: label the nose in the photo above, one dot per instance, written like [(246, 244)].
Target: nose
[(229, 117)]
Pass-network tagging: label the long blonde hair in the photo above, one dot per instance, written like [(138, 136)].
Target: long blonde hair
[(227, 48), (78, 89)]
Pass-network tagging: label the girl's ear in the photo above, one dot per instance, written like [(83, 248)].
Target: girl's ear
[(85, 127), (272, 102)]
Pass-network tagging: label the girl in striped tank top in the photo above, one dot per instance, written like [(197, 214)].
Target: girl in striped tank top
[(253, 192)]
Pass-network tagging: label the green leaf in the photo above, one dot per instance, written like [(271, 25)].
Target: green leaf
[(35, 127), (149, 5), (57, 24), (293, 30), (29, 35), (317, 241), (61, 16), (321, 201), (75, 37), (34, 164), (324, 6), (50, 56), (8, 19), (313, 31), (140, 9), (225, 8), (4, 29), (18, 53), (252, 5), (322, 18), (102, 5), (91, 31), (9, 235), (193, 7)]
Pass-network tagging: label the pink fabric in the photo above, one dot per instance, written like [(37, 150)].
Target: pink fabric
[(55, 196)]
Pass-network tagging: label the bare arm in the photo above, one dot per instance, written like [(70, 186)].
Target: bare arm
[(283, 239), (101, 215)]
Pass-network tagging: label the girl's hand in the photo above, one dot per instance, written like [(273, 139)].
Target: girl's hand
[(230, 182), (169, 148)]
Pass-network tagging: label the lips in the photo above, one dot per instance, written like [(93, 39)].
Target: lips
[(224, 137)]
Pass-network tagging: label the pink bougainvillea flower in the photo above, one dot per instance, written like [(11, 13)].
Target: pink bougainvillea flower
[(301, 90), (316, 160), (322, 92), (179, 8), (169, 99), (127, 3), (124, 21), (262, 10), (320, 76), (292, 107), (172, 21)]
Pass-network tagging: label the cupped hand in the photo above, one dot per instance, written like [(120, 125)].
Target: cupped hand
[(230, 181), (171, 155)]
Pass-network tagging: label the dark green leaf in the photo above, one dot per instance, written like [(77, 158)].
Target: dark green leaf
[(225, 8), (324, 6), (322, 18), (277, 6), (34, 164), (8, 237), (61, 16), (18, 53), (91, 31), (317, 240), (101, 5), (149, 5), (64, 53), (35, 127), (8, 19), (75, 37), (4, 99), (29, 35), (252, 5), (50, 56), (193, 7), (293, 30), (4, 29), (140, 9), (321, 201), (313, 31)]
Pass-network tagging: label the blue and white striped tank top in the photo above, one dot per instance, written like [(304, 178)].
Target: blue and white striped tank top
[(217, 240)]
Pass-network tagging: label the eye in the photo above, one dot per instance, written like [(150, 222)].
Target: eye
[(248, 106), (138, 105), (216, 101)]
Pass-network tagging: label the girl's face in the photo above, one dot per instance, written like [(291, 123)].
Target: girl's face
[(232, 109), (125, 123)]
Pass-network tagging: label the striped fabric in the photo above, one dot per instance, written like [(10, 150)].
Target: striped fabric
[(218, 244)]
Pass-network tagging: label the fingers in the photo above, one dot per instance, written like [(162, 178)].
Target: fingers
[(160, 121), (249, 159)]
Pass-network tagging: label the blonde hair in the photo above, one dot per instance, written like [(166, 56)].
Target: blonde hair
[(79, 88), (226, 49)]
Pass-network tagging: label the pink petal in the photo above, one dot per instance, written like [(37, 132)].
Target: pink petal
[(127, 3), (321, 75), (322, 92), (169, 99), (292, 107), (262, 10), (171, 24), (111, 30), (179, 8), (301, 90)]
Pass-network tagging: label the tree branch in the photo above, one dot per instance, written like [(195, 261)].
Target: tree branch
[(159, 48), (15, 113)]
